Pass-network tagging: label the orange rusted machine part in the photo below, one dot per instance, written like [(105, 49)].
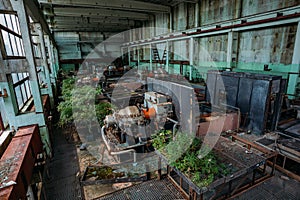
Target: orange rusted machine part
[(149, 113)]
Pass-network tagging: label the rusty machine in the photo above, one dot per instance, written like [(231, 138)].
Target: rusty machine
[(128, 130)]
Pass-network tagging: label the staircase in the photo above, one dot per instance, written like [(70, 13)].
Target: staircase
[(155, 54)]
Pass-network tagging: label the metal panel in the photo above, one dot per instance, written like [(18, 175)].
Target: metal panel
[(244, 95), (211, 86), (230, 85), (258, 106), (182, 99)]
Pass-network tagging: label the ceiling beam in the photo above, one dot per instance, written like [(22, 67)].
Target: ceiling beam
[(87, 20), (80, 24), (100, 26), (112, 4), (107, 30), (91, 12)]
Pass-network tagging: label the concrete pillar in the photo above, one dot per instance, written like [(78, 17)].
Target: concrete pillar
[(9, 102), (191, 55), (293, 79), (171, 21), (232, 47), (229, 49), (150, 58), (197, 11), (122, 56), (129, 54), (51, 61), (138, 56), (44, 133), (57, 59), (45, 63), (167, 56), (18, 5)]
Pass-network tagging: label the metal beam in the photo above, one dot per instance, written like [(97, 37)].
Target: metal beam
[(89, 12), (89, 20), (79, 42), (115, 30), (36, 14), (112, 4), (81, 23), (97, 26)]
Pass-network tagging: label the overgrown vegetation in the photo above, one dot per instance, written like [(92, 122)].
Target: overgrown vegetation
[(79, 105), (182, 153), (161, 138)]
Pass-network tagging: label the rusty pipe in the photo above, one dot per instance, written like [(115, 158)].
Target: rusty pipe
[(174, 126)]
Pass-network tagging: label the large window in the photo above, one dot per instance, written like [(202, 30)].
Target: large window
[(11, 36), (21, 88)]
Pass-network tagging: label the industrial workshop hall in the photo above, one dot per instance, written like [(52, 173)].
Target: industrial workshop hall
[(149, 99)]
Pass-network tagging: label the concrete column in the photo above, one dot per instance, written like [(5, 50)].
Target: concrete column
[(10, 106), (150, 58), (45, 63), (197, 11), (56, 59), (229, 49), (18, 5), (122, 56), (191, 55), (167, 56), (232, 48), (129, 54), (51, 61), (171, 21), (138, 56), (295, 64)]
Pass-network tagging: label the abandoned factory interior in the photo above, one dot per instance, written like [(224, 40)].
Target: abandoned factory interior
[(149, 99)]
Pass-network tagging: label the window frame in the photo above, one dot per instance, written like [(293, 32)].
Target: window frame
[(13, 39), (24, 89)]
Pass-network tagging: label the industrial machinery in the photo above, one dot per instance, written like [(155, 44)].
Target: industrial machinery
[(258, 96), (128, 130)]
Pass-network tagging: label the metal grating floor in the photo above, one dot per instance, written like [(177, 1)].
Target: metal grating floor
[(274, 189), (149, 190), (63, 183)]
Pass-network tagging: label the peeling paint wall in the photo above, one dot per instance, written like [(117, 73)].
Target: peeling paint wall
[(250, 7), (180, 17), (213, 11), (212, 48), (162, 20), (272, 45), (190, 15)]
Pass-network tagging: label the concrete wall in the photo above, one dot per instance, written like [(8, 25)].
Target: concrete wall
[(213, 11), (251, 50), (271, 45), (250, 7), (180, 17)]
